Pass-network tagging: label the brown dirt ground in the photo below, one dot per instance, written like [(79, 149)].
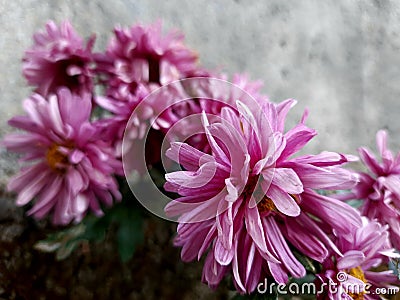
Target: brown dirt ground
[(94, 271)]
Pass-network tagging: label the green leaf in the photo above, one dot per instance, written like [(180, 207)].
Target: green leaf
[(62, 242), (96, 228), (66, 249), (130, 234)]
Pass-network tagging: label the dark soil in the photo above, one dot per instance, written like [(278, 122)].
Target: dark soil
[(94, 271)]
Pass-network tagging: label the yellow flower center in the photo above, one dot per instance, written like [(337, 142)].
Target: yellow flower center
[(266, 205), (359, 274), (56, 159)]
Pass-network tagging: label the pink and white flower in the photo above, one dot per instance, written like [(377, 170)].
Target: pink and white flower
[(380, 187), (247, 199), (59, 58), (71, 168), (352, 274), (143, 55)]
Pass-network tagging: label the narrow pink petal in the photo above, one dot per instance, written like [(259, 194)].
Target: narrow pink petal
[(282, 109), (212, 271), (282, 200), (287, 180), (232, 190), (228, 116), (325, 159), (386, 154), (350, 259), (207, 241), (314, 227), (325, 178), (222, 254), (256, 230), (189, 179), (24, 143), (254, 268), (187, 156), (55, 115), (340, 216), (94, 204), (62, 210), (69, 102), (107, 104), (33, 188), (305, 239), (296, 139), (235, 145), (204, 211), (80, 204), (379, 278), (392, 183), (30, 106), (25, 177), (286, 256), (213, 144), (184, 204), (76, 156), (277, 144), (24, 123), (75, 182), (235, 269), (224, 222), (104, 196), (278, 272), (47, 198), (370, 161)]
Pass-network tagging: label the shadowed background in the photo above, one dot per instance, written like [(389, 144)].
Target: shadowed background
[(340, 59)]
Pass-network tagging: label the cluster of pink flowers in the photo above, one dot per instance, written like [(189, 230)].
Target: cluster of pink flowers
[(245, 198), (75, 154)]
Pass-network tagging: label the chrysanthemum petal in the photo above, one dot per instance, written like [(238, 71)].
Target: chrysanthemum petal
[(283, 201)]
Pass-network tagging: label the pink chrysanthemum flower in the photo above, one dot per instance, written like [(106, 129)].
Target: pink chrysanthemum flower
[(144, 55), (59, 58), (248, 199), (380, 188), (71, 169), (352, 275)]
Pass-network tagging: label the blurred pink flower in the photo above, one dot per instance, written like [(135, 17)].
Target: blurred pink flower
[(365, 249), (71, 169), (380, 187), (247, 199), (138, 60), (141, 54), (59, 58), (125, 124)]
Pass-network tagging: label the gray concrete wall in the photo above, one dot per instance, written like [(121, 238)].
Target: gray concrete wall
[(338, 58)]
